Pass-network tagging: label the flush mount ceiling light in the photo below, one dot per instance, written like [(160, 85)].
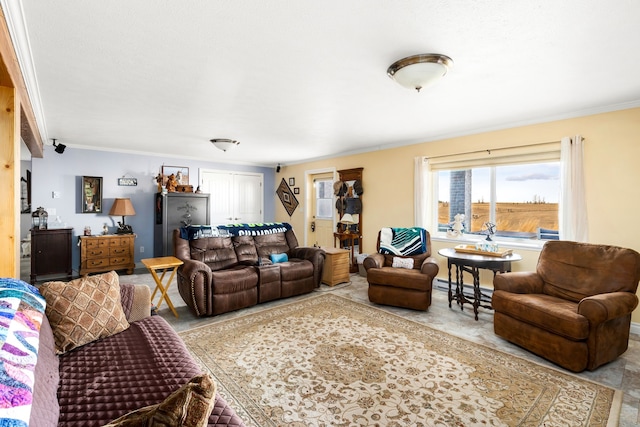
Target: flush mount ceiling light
[(224, 144), (419, 71)]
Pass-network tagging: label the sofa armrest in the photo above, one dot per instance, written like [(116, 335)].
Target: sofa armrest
[(136, 301), (373, 261), (313, 254), (191, 267), (602, 307), (521, 282), (141, 305), (430, 267)]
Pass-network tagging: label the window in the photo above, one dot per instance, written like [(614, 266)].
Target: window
[(324, 198), (521, 199)]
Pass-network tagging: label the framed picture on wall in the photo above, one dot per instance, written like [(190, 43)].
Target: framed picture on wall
[(181, 173), (91, 194)]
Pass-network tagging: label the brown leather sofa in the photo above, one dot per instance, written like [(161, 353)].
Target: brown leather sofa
[(401, 287), (222, 274), (575, 309)]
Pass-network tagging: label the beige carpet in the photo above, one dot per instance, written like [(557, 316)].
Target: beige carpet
[(329, 361)]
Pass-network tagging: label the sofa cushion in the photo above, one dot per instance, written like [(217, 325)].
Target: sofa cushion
[(245, 250), (138, 367), (295, 269), (216, 252), (84, 310), (189, 406), (271, 244)]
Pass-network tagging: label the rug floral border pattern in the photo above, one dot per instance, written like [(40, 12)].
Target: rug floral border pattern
[(303, 364)]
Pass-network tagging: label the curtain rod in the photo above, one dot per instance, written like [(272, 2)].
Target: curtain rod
[(488, 151)]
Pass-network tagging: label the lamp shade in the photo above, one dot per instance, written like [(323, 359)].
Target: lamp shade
[(347, 219), (122, 207), (420, 71)]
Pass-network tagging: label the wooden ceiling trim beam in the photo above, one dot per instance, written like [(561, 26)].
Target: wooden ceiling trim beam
[(29, 128)]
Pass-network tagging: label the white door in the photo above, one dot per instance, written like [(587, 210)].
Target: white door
[(248, 198), (235, 196), (322, 211)]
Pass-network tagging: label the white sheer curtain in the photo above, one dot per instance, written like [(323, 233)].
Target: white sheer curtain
[(573, 208), (422, 212)]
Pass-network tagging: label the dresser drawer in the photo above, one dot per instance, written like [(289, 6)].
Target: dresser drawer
[(121, 260), (120, 242), (98, 252), (95, 243), (119, 251), (97, 263)]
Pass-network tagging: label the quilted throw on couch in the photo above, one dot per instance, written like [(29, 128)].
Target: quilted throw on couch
[(403, 241), (21, 311)]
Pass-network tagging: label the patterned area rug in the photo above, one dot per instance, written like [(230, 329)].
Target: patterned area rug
[(329, 361)]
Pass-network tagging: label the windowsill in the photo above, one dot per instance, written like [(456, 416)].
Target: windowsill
[(505, 242)]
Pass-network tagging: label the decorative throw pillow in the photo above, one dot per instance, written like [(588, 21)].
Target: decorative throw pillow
[(84, 310), (402, 262), (189, 406), (276, 258)]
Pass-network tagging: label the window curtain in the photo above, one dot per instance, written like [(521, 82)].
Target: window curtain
[(573, 208), (423, 193)]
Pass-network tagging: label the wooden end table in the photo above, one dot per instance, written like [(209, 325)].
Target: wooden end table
[(164, 264), (336, 266)]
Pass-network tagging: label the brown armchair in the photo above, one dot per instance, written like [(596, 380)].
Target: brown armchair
[(401, 287), (575, 309)]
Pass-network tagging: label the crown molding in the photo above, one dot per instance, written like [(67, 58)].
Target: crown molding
[(14, 16)]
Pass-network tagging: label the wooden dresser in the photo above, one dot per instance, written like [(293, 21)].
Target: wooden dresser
[(336, 266), (105, 253)]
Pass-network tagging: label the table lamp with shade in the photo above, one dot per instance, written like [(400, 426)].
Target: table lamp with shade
[(347, 220), (123, 207)]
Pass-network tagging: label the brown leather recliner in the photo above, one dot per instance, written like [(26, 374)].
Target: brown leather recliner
[(401, 287), (575, 309)]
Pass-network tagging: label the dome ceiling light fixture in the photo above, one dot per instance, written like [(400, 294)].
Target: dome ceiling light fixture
[(224, 144), (420, 71)]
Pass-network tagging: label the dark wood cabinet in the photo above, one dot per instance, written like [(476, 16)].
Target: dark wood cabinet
[(50, 252), (175, 210)]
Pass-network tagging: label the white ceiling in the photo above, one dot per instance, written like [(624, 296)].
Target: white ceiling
[(298, 80)]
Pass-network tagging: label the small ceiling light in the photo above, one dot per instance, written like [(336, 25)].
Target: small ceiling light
[(224, 144), (59, 147), (420, 71)]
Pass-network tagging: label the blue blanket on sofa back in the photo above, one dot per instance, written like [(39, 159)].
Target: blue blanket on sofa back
[(403, 241)]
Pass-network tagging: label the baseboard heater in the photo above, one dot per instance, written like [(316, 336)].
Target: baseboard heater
[(443, 285)]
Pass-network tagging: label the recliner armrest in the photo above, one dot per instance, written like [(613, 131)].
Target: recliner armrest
[(602, 307), (373, 261), (521, 282), (192, 267), (315, 255), (430, 267)]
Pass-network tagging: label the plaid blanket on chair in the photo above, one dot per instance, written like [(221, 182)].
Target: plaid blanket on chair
[(403, 241)]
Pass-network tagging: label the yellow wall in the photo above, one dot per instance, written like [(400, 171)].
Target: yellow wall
[(612, 151)]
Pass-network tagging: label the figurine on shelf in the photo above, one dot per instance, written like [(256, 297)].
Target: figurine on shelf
[(158, 179), (172, 183), (105, 229)]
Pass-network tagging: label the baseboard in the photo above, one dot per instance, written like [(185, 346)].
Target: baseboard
[(635, 328)]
